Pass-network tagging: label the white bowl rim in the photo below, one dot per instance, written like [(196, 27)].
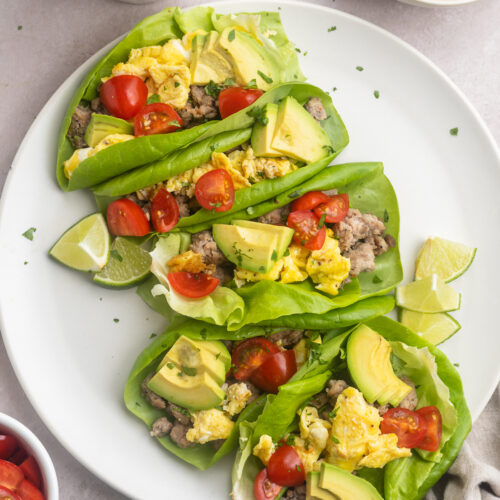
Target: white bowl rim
[(35, 447)]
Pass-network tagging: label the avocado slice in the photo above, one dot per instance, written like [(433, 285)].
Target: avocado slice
[(262, 135), (345, 485), (100, 126), (218, 349), (210, 63), (283, 233), (250, 59), (191, 357), (314, 492), (249, 248), (298, 135), (197, 392), (369, 363)]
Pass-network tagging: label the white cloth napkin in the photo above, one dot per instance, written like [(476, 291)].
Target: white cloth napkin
[(475, 475)]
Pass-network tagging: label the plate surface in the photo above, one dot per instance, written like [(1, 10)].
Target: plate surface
[(61, 332)]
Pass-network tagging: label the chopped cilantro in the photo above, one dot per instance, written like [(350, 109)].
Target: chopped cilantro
[(28, 234), (189, 370), (229, 82), (386, 216), (217, 355), (116, 320), (333, 28), (266, 78), (153, 98), (25, 262), (376, 93), (19, 28), (217, 204), (321, 222), (175, 123), (329, 149), (298, 468), (297, 50), (274, 256), (290, 440), (116, 255), (259, 114), (213, 90), (454, 131), (332, 414), (360, 68), (334, 89), (152, 336), (294, 194), (232, 35), (214, 146), (252, 84), (456, 364), (334, 439), (287, 253), (376, 279), (176, 84), (170, 366)]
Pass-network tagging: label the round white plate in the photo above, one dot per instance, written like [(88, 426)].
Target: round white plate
[(73, 358)]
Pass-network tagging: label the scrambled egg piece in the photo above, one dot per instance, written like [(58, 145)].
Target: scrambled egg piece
[(164, 69), (243, 166), (264, 448), (327, 267), (82, 154), (294, 264), (209, 425), (237, 396), (189, 262), (302, 351), (242, 275), (355, 437)]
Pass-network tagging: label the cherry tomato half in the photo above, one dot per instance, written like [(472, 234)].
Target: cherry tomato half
[(6, 494), (248, 355), (335, 208), (126, 218), (215, 190), (164, 211), (432, 417), (32, 471), (124, 95), (192, 285), (10, 475), (307, 230), (8, 445), (19, 456), (285, 467), (309, 201), (29, 492), (234, 99), (156, 118), (408, 426), (276, 370), (263, 488)]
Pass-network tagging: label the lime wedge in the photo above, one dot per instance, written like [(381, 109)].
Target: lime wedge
[(435, 328), (84, 246), (447, 259), (128, 264), (428, 295)]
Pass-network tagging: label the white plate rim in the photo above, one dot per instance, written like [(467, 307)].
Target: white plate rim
[(276, 3)]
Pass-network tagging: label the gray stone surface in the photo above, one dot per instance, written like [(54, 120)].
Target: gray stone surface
[(43, 42)]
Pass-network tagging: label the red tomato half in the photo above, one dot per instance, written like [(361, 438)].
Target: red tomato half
[(156, 118), (215, 190), (307, 231), (6, 494), (285, 467), (126, 218), (234, 99), (124, 95), (408, 426), (309, 201), (10, 475), (276, 370), (192, 285), (335, 208), (164, 211), (263, 488), (8, 445), (27, 491), (19, 456), (32, 471), (248, 355), (432, 417)]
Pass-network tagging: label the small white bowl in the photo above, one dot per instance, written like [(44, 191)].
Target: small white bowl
[(34, 447), (437, 3)]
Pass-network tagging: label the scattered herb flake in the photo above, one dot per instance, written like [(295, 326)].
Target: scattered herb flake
[(229, 82), (116, 320), (294, 194), (217, 355), (266, 78), (176, 84), (333, 28), (332, 414), (152, 336), (360, 68), (189, 370), (290, 440), (215, 205), (28, 234), (376, 93), (213, 90), (252, 84), (334, 439), (170, 366), (25, 262), (297, 50), (116, 255), (153, 98), (232, 35), (274, 255), (456, 364), (334, 89), (322, 219), (287, 253), (306, 52), (329, 149), (203, 333), (175, 123), (376, 279), (298, 468), (259, 114), (386, 216), (19, 28), (454, 131)]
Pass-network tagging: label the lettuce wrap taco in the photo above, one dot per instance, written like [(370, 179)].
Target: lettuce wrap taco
[(313, 249), (165, 84), (193, 385), (384, 420)]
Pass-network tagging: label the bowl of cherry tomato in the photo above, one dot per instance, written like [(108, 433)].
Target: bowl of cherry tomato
[(26, 470)]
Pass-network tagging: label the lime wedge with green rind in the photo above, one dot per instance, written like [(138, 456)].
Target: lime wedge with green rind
[(435, 328), (84, 246), (128, 264), (428, 295), (447, 259)]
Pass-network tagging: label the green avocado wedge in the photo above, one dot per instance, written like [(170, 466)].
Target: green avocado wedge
[(155, 30), (438, 383)]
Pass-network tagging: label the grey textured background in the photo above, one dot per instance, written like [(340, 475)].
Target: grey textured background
[(43, 41)]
